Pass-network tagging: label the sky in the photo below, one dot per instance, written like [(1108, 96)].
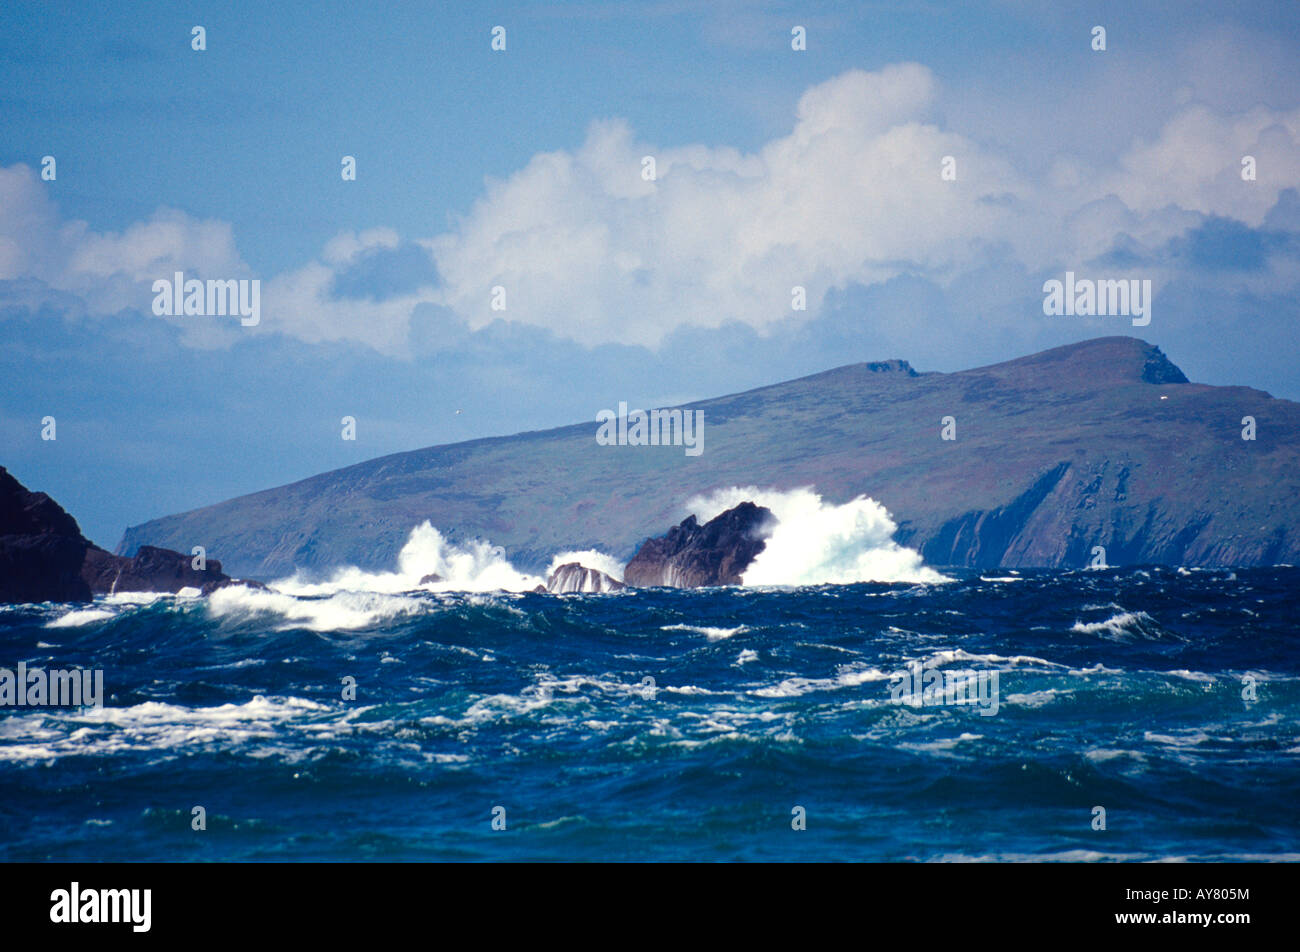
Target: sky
[(524, 169)]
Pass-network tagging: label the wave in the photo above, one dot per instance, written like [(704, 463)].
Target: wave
[(813, 543), (475, 566), (713, 634), (820, 543), (1121, 626), (78, 618), (847, 676), (339, 611), (590, 558), (150, 726)]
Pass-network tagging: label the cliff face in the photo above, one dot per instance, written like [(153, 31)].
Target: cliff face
[(1100, 443), (45, 558), (41, 548)]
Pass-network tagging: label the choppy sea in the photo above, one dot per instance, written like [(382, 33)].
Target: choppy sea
[(717, 724)]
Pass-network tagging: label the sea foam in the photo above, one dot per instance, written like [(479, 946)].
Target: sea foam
[(820, 543), (475, 566)]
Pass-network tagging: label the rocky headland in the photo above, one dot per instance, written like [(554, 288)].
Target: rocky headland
[(45, 558), (1103, 442)]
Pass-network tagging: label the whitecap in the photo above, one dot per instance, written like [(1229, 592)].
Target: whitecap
[(713, 634), (473, 566), (847, 677), (341, 611), (589, 558), (818, 543), (75, 619), (1116, 627), (944, 745), (1102, 754)]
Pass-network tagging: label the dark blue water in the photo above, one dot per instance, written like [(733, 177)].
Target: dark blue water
[(1121, 689)]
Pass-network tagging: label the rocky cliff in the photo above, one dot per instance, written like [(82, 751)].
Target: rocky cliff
[(693, 555), (45, 558), (1100, 443), (150, 570), (41, 548)]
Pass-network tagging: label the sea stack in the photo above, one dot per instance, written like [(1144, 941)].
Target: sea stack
[(693, 555)]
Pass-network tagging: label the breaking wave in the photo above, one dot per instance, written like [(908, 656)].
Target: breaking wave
[(1120, 626), (475, 566), (813, 543), (820, 543), (339, 611), (592, 559)]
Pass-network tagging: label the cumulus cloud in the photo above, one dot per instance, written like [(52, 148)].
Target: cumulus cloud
[(305, 302), (852, 195), (1194, 163), (588, 249), (585, 246), (108, 270)]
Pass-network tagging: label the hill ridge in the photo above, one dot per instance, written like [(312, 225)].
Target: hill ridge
[(1142, 458)]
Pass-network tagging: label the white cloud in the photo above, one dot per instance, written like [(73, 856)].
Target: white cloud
[(588, 249), (345, 247), (108, 270), (1195, 163), (301, 303), (852, 195)]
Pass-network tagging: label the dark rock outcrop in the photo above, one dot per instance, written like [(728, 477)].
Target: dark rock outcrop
[(433, 578), (41, 548), (693, 555), (574, 577), (45, 558), (150, 570)]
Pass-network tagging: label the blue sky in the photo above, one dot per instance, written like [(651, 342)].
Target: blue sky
[(522, 169)]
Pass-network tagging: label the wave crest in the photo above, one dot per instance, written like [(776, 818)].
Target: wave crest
[(820, 543), (475, 566)]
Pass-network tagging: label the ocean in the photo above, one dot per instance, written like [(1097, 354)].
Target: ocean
[(744, 723)]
